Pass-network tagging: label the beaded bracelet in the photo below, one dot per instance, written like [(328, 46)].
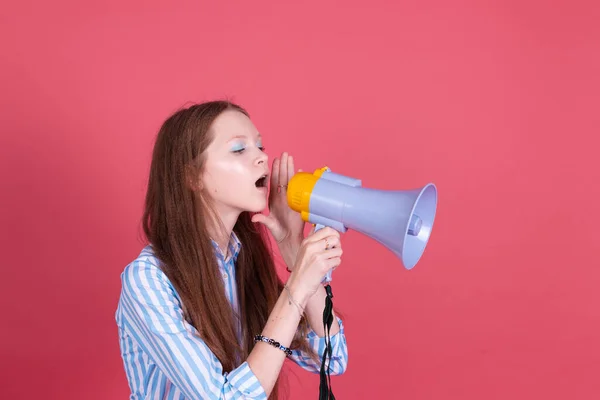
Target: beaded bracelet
[(261, 338)]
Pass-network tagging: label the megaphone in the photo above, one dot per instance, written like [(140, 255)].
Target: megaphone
[(401, 220)]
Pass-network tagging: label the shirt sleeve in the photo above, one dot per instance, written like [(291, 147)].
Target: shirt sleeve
[(155, 317), (339, 352)]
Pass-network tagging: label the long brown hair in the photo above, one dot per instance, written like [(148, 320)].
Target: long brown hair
[(175, 222)]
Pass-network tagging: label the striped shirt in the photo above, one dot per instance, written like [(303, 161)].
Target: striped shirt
[(162, 354)]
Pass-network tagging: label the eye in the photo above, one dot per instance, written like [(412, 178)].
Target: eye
[(238, 148)]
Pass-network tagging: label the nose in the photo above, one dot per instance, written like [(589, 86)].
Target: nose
[(262, 158)]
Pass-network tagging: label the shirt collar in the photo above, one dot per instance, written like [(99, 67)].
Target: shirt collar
[(234, 246)]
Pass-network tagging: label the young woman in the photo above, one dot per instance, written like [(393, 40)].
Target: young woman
[(202, 304)]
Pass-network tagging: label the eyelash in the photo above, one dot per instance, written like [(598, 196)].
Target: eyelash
[(262, 148)]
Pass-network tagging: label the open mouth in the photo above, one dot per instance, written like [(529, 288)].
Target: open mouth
[(262, 182)]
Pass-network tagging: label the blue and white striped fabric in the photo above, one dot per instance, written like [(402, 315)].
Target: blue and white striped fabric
[(163, 357)]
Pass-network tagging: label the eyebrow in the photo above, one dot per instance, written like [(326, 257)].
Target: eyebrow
[(242, 137)]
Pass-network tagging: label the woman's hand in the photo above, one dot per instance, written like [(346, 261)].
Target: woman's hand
[(319, 253), (286, 225)]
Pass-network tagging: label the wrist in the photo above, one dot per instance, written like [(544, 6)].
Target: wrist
[(300, 294), (289, 251)]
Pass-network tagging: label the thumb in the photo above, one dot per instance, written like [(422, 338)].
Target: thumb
[(267, 221)]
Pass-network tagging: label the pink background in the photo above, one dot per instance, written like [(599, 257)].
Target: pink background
[(497, 104)]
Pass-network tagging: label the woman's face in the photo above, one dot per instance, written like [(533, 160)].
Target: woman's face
[(234, 165)]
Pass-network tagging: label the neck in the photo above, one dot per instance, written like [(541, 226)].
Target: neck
[(222, 228)]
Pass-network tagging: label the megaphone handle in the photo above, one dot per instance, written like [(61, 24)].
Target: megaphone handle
[(327, 277)]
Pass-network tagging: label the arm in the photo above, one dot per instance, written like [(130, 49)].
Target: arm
[(315, 304), (316, 338), (154, 315), (316, 335), (339, 356)]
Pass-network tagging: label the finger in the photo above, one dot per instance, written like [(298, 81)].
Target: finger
[(332, 242), (283, 169), (274, 171), (327, 243), (322, 234), (267, 221), (275, 175), (331, 253), (333, 263), (290, 168), (324, 246)]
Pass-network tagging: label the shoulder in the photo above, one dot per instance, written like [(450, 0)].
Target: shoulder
[(148, 299), (143, 275)]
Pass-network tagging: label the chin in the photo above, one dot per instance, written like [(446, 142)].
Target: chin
[(256, 207), (259, 207), (255, 203)]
